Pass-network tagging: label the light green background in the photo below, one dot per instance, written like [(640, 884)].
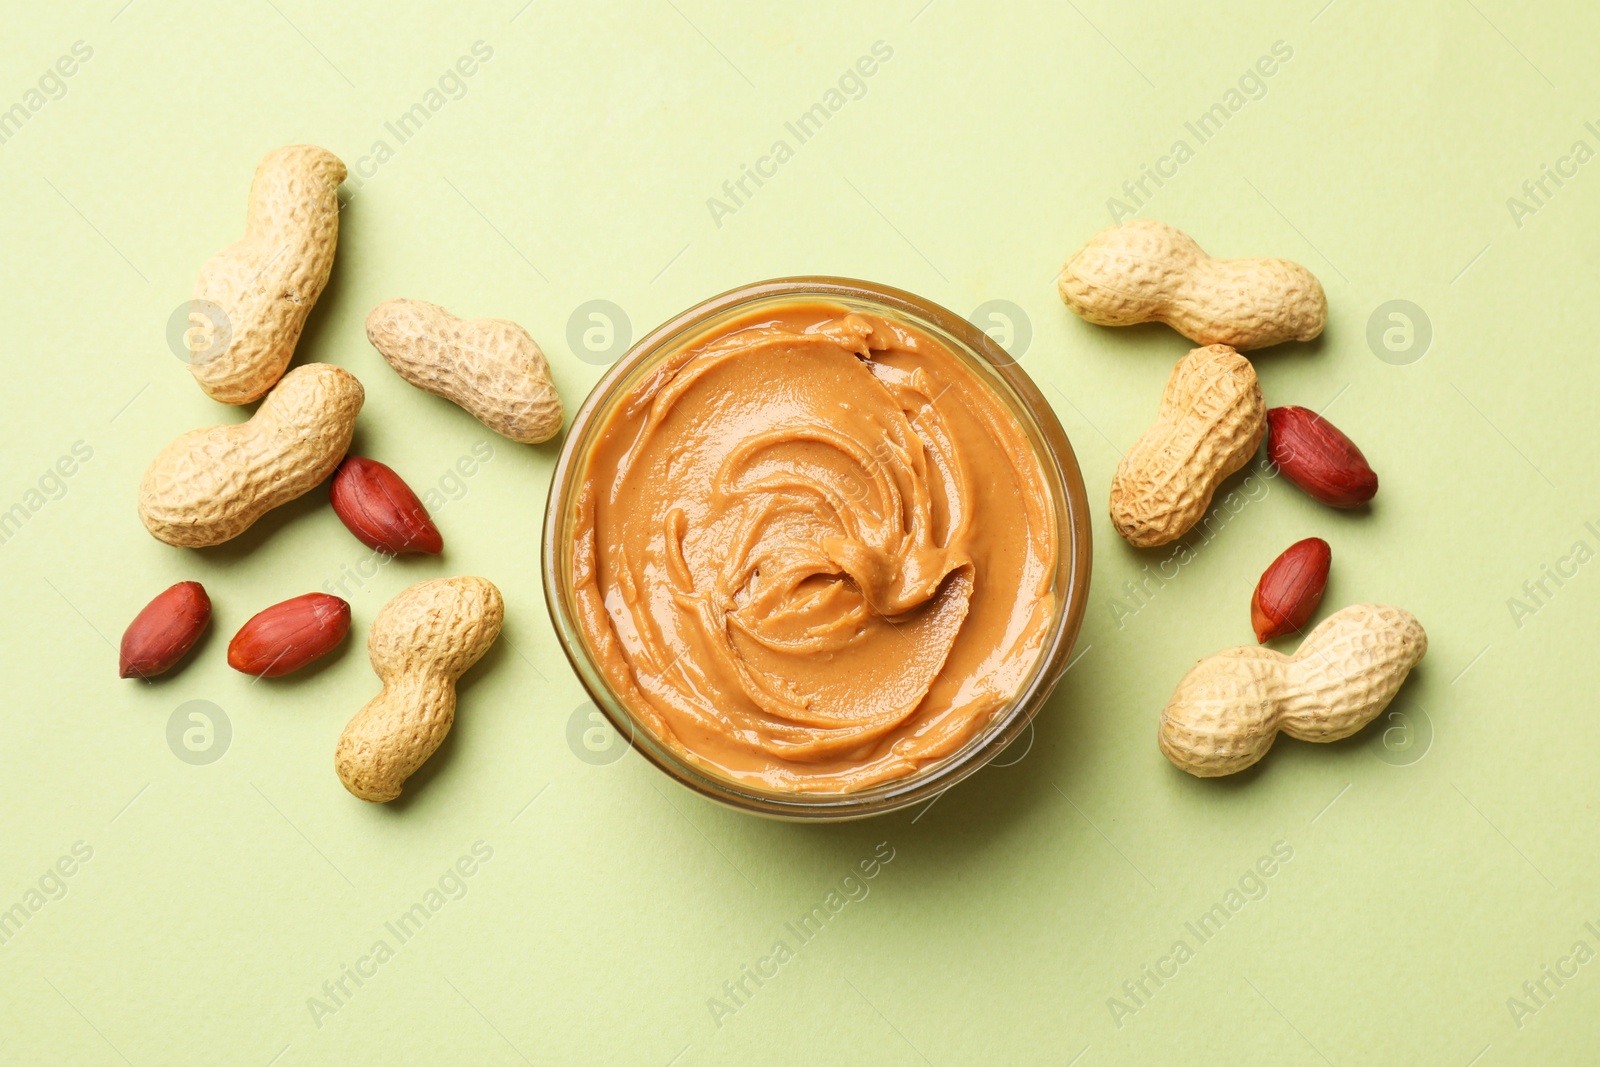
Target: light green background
[(1428, 881)]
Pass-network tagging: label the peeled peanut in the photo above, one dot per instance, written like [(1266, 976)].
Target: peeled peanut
[(422, 642), (1147, 271), (1229, 707), (210, 485), (1210, 423), (266, 284), (490, 367), (167, 628)]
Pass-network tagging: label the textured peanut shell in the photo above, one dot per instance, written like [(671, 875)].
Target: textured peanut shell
[(1147, 271), (490, 367), (422, 642), (1210, 423), (210, 485), (267, 283), (1229, 708)]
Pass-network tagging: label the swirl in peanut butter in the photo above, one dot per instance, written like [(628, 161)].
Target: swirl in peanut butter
[(813, 550)]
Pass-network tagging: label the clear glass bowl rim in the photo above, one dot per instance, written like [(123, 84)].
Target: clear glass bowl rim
[(1074, 557)]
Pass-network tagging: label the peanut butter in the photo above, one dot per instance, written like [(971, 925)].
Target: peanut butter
[(813, 550)]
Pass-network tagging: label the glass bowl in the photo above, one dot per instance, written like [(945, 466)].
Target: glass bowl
[(992, 365)]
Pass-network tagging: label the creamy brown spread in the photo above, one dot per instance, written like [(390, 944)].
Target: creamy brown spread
[(813, 550)]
